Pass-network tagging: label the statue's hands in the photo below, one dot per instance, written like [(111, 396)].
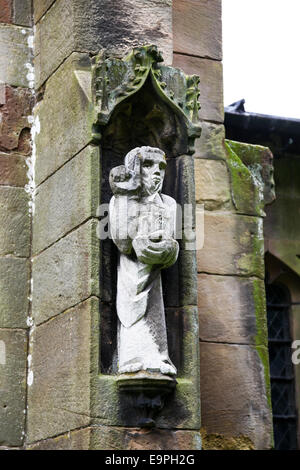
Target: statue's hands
[(123, 180), (154, 249)]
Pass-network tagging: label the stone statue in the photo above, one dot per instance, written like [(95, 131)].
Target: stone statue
[(142, 224)]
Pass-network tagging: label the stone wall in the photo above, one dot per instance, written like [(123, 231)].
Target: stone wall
[(282, 223), (78, 406), (231, 301), (16, 102), (49, 252)]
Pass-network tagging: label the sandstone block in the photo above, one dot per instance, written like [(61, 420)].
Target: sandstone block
[(13, 170), (240, 410), (114, 438), (13, 353), (40, 7), (15, 222), (14, 291), (67, 198), (70, 126), (216, 441), (211, 84), (212, 184), (92, 26), (251, 174), (106, 438), (233, 244), (74, 440), (15, 127), (62, 367), (112, 410), (66, 273), (211, 143), (232, 310), (15, 55), (197, 28), (22, 12), (5, 11)]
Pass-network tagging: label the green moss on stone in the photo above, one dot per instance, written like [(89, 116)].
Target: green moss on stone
[(246, 189), (214, 441), (261, 337)]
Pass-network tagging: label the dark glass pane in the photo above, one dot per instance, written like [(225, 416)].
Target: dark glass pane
[(280, 360), (283, 398), (285, 432), (281, 368)]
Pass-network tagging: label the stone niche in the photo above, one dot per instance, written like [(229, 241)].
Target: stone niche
[(141, 102)]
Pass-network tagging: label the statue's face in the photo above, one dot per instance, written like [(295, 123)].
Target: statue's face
[(153, 167)]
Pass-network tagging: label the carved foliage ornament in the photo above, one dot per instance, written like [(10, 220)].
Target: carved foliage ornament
[(115, 80)]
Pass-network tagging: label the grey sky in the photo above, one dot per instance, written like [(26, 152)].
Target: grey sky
[(261, 57)]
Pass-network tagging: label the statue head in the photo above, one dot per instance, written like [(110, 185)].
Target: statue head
[(152, 163), (142, 174)]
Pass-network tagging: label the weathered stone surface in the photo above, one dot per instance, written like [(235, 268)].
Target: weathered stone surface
[(211, 84), (14, 291), (251, 174), (66, 273), (70, 126), (13, 170), (15, 127), (92, 26), (142, 328), (54, 40), (22, 12), (239, 410), (106, 438), (5, 11), (74, 440), (220, 442), (15, 222), (110, 410), (62, 366), (13, 352), (211, 143), (233, 244), (232, 310), (40, 7), (67, 198), (15, 54), (259, 160), (197, 28), (114, 438), (212, 184)]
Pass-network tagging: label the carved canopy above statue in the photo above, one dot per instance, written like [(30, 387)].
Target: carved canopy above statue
[(116, 80)]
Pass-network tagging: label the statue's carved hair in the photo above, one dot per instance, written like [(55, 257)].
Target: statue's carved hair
[(140, 152)]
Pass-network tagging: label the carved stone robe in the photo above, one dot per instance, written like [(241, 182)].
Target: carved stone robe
[(142, 336)]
